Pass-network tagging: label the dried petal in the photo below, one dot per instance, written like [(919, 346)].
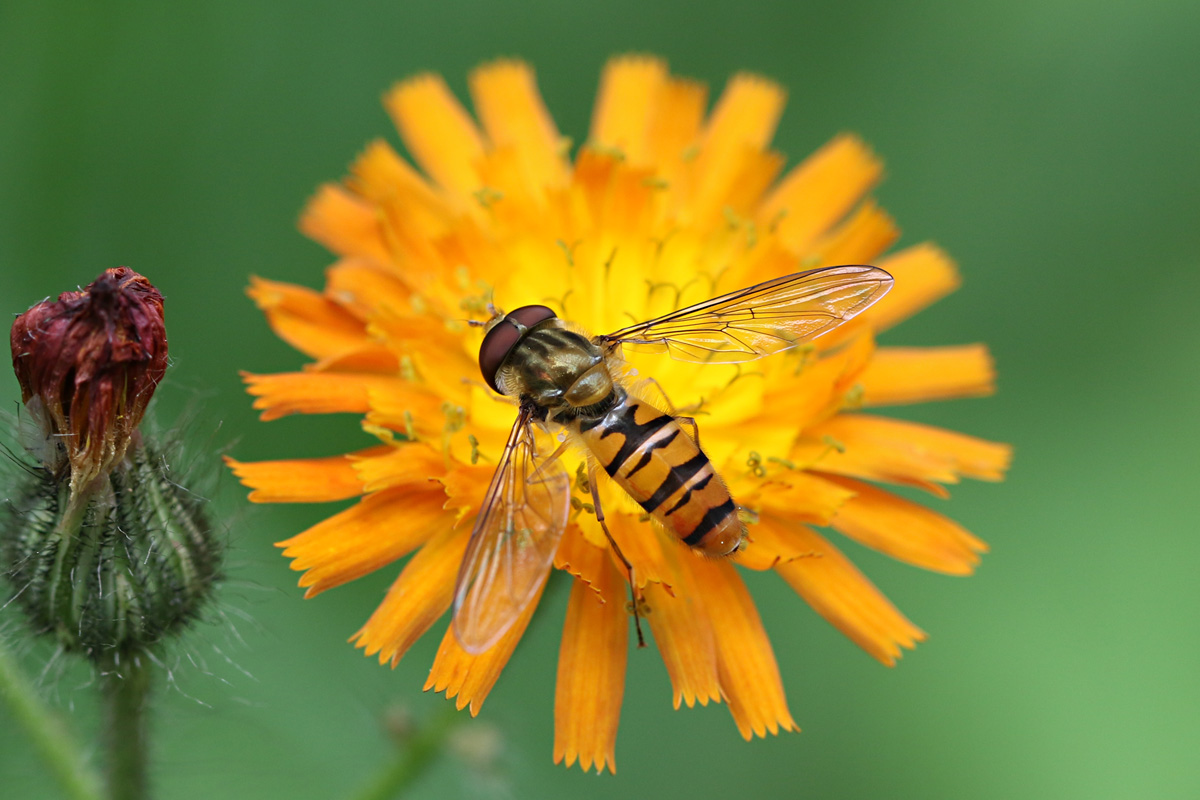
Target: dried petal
[(88, 363)]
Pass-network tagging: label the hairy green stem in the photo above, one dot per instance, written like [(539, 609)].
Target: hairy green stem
[(45, 730), (125, 687), (416, 754)]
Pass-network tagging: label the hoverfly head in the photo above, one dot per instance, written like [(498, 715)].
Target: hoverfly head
[(503, 333)]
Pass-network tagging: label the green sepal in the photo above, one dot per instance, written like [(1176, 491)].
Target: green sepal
[(126, 564)]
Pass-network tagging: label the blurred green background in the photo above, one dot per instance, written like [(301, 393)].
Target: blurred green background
[(1049, 146)]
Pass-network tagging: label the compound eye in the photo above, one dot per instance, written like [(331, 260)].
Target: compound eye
[(504, 336)]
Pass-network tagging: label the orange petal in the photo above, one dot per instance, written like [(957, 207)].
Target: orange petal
[(409, 408), (591, 675), (436, 350), (465, 486), (897, 451), (596, 171), (303, 480), (866, 234), (746, 663), (643, 544), (629, 89), (731, 193), (366, 290), (416, 599), (770, 259), (675, 126), (411, 206), (804, 497), (838, 592), (469, 677), (745, 115), (920, 374), (514, 198), (684, 636), (804, 396), (924, 274), (470, 252), (307, 320), (766, 547), (820, 191), (376, 531), (370, 357), (629, 210), (346, 224), (856, 346), (514, 116), (438, 131), (405, 462), (906, 531), (731, 146), (319, 392), (586, 561)]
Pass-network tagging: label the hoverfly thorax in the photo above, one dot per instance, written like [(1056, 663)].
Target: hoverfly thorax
[(531, 354)]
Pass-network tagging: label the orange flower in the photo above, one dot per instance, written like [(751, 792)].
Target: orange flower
[(663, 206)]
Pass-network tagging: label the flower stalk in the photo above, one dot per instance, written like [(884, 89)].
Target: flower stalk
[(416, 754), (45, 731), (125, 686)]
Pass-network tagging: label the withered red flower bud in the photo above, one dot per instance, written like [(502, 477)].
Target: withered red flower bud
[(88, 364)]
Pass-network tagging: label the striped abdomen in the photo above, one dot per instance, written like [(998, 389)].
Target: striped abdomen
[(650, 456)]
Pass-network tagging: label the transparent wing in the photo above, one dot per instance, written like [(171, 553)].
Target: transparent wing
[(513, 544), (760, 320)]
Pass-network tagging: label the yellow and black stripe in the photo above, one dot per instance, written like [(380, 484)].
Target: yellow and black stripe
[(649, 456)]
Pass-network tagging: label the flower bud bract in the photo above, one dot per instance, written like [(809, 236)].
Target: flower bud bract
[(134, 566)]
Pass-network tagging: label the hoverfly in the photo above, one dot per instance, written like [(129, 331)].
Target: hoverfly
[(564, 381)]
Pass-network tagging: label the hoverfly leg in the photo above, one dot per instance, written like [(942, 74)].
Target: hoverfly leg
[(695, 428), (548, 461), (635, 600), (669, 407)]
